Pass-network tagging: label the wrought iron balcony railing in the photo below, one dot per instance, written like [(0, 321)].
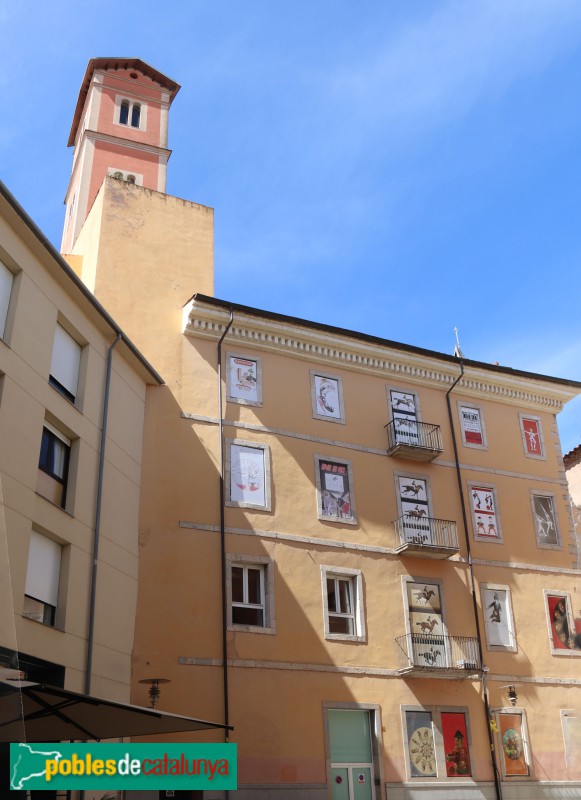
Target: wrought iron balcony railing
[(426, 536), (426, 652), (418, 441)]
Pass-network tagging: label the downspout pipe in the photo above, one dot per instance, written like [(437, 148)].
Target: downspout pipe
[(223, 538), (99, 502), (497, 784)]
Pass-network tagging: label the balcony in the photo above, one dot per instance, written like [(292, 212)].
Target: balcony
[(426, 537), (416, 441), (427, 655)]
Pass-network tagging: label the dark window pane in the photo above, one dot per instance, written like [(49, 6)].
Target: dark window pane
[(248, 616), (124, 113), (254, 586), (135, 116), (237, 585), (341, 625), (331, 597), (44, 450)]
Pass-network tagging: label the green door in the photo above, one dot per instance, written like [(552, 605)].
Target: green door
[(351, 754)]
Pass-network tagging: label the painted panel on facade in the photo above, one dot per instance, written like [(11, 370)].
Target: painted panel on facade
[(471, 422), (327, 397), (421, 749), (243, 379), (512, 742), (413, 494), (405, 417), (532, 436), (545, 520), (572, 737), (484, 511), (426, 625), (335, 494), (559, 615), (496, 617), (455, 735), (247, 475)]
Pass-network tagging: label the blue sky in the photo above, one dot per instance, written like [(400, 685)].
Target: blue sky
[(397, 167)]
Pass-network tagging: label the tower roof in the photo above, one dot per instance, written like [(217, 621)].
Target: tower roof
[(117, 63)]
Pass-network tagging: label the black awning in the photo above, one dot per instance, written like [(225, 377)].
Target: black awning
[(36, 712)]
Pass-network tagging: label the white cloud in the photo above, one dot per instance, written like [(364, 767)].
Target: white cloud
[(440, 66)]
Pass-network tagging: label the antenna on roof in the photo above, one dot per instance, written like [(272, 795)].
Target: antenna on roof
[(457, 351)]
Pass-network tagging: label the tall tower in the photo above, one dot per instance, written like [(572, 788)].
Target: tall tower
[(119, 128)]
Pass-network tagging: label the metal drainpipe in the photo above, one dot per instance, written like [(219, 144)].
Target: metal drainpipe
[(98, 517), (497, 784), (223, 540)]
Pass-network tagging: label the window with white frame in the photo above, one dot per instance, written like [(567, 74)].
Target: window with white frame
[(327, 397), (343, 604), (335, 499), (42, 579), (247, 474), (130, 113), (472, 425), (513, 749), (498, 618), (243, 379), (65, 364), (6, 281), (250, 593), (53, 465), (561, 623), (438, 742)]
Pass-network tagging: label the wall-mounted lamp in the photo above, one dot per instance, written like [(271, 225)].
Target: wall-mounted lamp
[(512, 695), (154, 690)]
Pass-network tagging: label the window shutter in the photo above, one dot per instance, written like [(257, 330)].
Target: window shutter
[(44, 566), (6, 278), (66, 359)]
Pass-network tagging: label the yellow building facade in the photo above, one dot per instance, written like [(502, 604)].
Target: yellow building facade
[(358, 553)]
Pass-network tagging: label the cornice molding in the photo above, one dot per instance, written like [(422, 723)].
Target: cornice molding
[(97, 136), (335, 350)]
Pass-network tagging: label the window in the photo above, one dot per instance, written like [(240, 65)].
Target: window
[(335, 500), (247, 474), (562, 627), (415, 516), (343, 604), (571, 721), (135, 115), (472, 426), (498, 620), (243, 379), (484, 507), (53, 465), (327, 397), (426, 641), (42, 579), (247, 595), (545, 519), (404, 408), (6, 280), (250, 593), (123, 175), (532, 436), (124, 112), (130, 112), (65, 364), (513, 751), (437, 742)]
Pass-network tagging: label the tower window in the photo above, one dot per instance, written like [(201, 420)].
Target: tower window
[(135, 115), (124, 113), (130, 112)]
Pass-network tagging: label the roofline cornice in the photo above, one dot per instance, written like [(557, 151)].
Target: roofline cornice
[(203, 317)]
